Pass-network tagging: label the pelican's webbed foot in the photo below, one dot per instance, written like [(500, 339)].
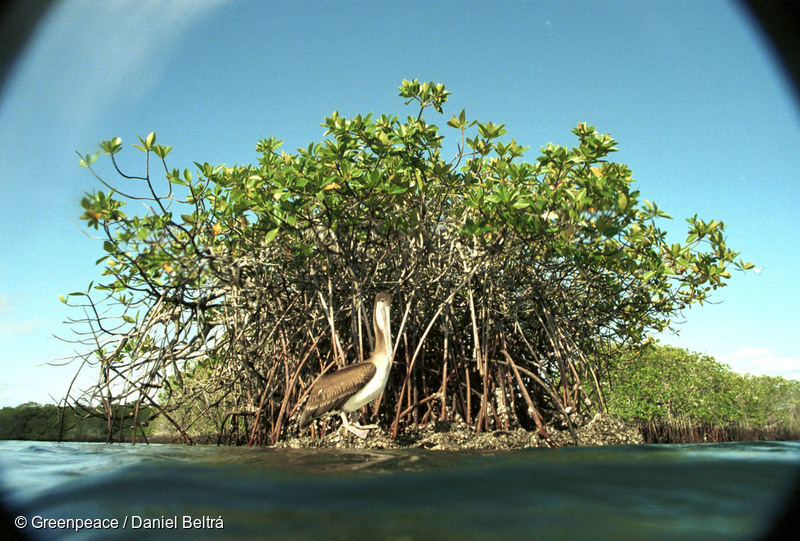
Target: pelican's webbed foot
[(355, 428)]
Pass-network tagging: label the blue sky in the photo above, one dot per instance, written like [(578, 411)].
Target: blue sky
[(701, 110)]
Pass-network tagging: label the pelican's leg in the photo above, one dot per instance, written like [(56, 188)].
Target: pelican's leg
[(358, 430)]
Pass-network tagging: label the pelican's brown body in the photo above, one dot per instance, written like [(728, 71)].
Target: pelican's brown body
[(358, 384)]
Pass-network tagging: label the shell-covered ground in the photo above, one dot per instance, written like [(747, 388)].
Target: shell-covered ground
[(597, 430)]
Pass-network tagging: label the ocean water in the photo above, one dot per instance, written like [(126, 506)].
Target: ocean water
[(97, 491)]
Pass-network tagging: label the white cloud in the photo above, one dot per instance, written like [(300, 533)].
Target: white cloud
[(762, 360), (12, 395), (34, 385), (749, 353), (17, 328), (12, 323)]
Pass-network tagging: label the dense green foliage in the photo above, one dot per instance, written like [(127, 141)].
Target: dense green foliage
[(32, 421), (506, 275), (667, 384)]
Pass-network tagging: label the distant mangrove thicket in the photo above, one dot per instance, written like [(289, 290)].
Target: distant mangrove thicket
[(48, 422), (515, 282), (675, 395)]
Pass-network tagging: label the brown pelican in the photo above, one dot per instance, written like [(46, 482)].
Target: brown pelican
[(358, 384)]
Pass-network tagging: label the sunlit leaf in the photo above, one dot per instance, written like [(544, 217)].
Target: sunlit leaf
[(270, 236)]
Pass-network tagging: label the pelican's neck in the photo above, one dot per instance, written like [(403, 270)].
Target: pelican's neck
[(383, 331)]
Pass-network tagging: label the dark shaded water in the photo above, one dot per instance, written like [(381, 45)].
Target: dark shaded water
[(704, 491)]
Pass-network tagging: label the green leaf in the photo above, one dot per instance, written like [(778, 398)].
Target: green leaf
[(161, 151), (88, 159), (270, 236), (522, 203), (111, 147), (147, 142), (460, 122)]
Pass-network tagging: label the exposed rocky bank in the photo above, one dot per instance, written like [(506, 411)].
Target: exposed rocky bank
[(451, 436)]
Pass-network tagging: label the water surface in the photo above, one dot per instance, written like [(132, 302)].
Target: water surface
[(703, 491)]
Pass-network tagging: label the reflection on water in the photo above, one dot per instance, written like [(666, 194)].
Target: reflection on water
[(722, 491)]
